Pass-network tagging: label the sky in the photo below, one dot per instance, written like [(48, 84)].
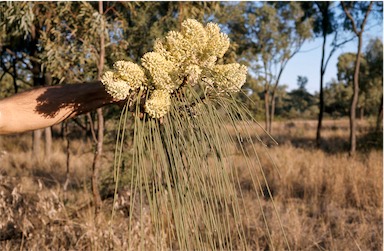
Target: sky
[(307, 62)]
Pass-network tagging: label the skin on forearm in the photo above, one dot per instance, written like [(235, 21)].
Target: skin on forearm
[(47, 106)]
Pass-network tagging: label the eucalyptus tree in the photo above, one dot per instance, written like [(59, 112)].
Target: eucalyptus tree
[(336, 98), (356, 17), (325, 24), (370, 81), (374, 87), (274, 33), (57, 42), (296, 31), (85, 30), (345, 72), (21, 24), (298, 102)]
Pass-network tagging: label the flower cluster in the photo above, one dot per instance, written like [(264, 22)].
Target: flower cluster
[(162, 72), (127, 76), (229, 77), (185, 57), (158, 103)]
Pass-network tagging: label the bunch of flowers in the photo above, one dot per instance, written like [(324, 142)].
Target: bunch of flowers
[(182, 58)]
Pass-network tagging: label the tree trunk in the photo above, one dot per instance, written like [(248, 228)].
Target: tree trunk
[(48, 130), (181, 14), (48, 142), (37, 81), (273, 96), (266, 105), (36, 143), (272, 114), (355, 98), (97, 161), (68, 155), (321, 112), (379, 119), (100, 128), (15, 75), (361, 112), (321, 96)]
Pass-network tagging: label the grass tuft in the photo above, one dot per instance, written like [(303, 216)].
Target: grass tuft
[(325, 201)]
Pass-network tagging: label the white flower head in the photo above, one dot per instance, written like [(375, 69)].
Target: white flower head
[(193, 73), (160, 48), (176, 46), (158, 104), (189, 55), (209, 62), (195, 34), (162, 71), (130, 72), (117, 88), (218, 42), (229, 77)]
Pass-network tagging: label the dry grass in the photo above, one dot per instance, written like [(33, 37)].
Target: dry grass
[(325, 199)]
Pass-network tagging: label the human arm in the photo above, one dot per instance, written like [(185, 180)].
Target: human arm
[(47, 106)]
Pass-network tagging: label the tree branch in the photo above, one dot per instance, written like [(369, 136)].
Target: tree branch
[(2, 75), (14, 76), (92, 127), (346, 11), (78, 123), (366, 14), (112, 7), (334, 48), (358, 33)]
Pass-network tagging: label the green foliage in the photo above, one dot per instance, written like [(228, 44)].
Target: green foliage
[(17, 34), (302, 81), (16, 20), (357, 9), (273, 33), (337, 98), (372, 87), (346, 67), (324, 17), (338, 94), (298, 103), (71, 45), (269, 32), (374, 57)]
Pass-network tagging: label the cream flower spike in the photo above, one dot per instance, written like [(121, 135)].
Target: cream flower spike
[(218, 42), (182, 58), (158, 104), (161, 71), (117, 88), (127, 76), (132, 73), (195, 33), (230, 77)]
